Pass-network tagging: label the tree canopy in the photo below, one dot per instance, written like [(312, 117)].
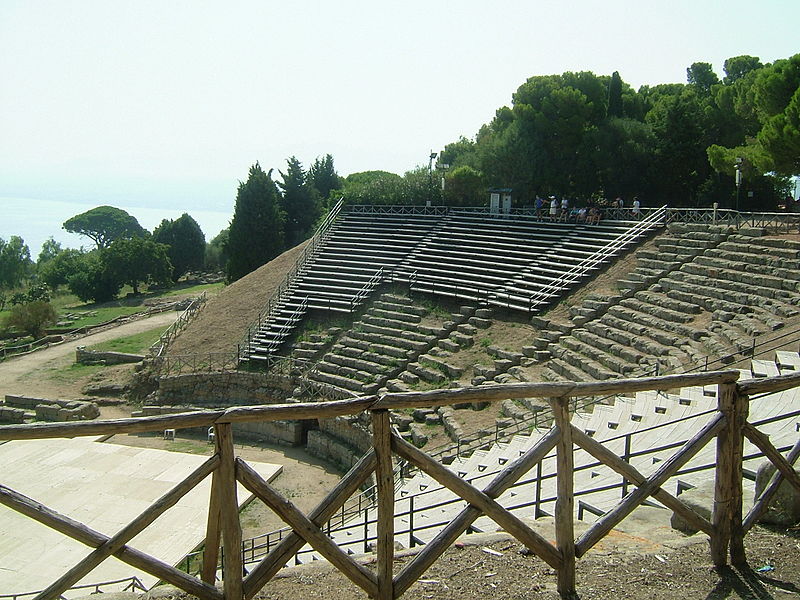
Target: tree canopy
[(300, 203), (256, 232), (138, 260), (15, 261), (186, 244), (104, 225)]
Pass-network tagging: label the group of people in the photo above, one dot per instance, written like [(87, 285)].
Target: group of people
[(554, 209)]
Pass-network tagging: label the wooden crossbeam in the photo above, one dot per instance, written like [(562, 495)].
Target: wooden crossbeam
[(612, 518), (629, 472), (303, 526), (445, 538), (511, 523), (384, 476), (90, 537), (775, 457), (777, 478), (287, 547), (127, 533)]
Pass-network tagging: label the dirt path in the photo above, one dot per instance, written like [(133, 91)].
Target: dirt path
[(18, 374)]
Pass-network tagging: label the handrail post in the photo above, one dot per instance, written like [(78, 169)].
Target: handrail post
[(381, 437), (229, 514), (565, 500), (727, 514)]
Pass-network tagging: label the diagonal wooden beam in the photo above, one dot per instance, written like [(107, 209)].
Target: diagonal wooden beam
[(511, 523), (769, 491), (445, 538), (289, 545), (303, 526), (127, 533), (78, 531), (629, 472), (608, 521), (775, 457)]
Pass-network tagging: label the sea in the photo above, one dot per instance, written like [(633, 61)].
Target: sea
[(35, 220)]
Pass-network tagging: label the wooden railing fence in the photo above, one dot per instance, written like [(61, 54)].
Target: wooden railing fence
[(726, 528)]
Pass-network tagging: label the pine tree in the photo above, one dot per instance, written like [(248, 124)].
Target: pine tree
[(256, 231), (323, 177), (615, 96), (300, 203), (187, 244)]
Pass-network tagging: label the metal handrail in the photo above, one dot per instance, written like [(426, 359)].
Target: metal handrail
[(157, 349), (319, 237), (366, 289), (597, 257), (133, 584)]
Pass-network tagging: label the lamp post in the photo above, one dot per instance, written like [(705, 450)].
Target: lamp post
[(738, 167), (431, 158)]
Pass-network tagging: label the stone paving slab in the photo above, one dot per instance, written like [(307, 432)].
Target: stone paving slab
[(104, 486)]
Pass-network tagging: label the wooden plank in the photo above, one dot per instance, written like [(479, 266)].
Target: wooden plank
[(351, 406), (287, 547), (727, 511), (303, 526), (229, 514), (511, 523), (445, 538), (775, 457), (38, 431), (565, 498), (208, 571), (78, 531), (127, 533), (751, 387), (769, 491), (492, 393), (608, 521), (629, 472), (298, 411), (384, 476)]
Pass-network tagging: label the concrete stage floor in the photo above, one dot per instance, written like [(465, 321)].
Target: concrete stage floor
[(104, 486)]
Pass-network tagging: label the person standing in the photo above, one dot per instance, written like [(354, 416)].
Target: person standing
[(637, 212), (553, 208), (537, 205)]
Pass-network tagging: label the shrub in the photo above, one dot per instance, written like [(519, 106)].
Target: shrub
[(32, 318)]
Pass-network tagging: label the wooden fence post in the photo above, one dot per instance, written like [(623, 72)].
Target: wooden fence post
[(727, 513), (565, 500), (229, 514), (381, 439)]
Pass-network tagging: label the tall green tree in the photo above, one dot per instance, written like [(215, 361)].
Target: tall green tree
[(615, 106), (186, 244), (61, 267), (256, 230), (50, 249), (138, 261), (93, 280), (217, 251), (15, 262), (299, 202), (322, 176), (104, 224)]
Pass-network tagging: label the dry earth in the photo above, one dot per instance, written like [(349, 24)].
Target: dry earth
[(220, 325)]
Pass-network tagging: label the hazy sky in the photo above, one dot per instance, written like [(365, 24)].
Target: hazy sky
[(167, 104)]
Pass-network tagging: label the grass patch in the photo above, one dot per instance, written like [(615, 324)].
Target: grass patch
[(193, 290), (71, 373), (131, 344)]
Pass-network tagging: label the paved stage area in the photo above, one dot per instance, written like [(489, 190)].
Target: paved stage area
[(104, 486)]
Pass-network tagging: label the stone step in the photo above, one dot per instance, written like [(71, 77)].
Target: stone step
[(594, 369), (409, 309), (607, 360), (426, 374), (394, 316), (342, 382), (647, 346), (564, 371), (612, 347), (657, 311), (759, 280), (710, 298), (396, 334), (634, 316), (666, 302), (367, 345), (359, 364), (434, 362)]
